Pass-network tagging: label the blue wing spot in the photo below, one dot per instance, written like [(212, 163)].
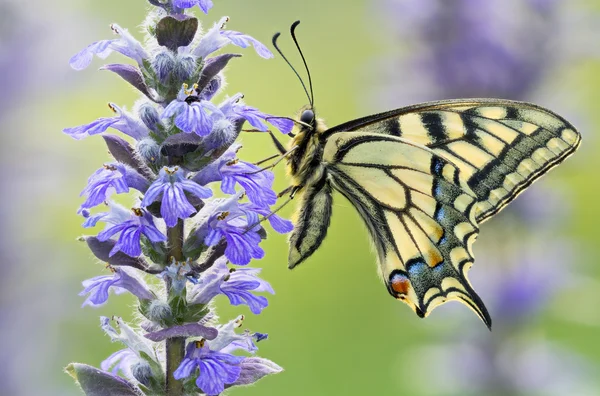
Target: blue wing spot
[(437, 166), (440, 214)]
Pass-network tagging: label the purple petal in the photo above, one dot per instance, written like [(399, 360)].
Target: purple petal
[(255, 368), (83, 59), (132, 75), (243, 41), (186, 330)]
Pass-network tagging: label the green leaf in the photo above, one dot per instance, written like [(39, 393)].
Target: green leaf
[(195, 313), (156, 252), (95, 382), (157, 382)]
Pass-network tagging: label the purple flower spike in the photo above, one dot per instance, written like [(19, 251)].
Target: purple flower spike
[(237, 284), (216, 368), (191, 112), (123, 122), (121, 281), (111, 178), (130, 224), (229, 171), (204, 5), (126, 45), (169, 187)]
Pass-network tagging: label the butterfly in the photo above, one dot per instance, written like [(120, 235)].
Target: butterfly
[(423, 178)]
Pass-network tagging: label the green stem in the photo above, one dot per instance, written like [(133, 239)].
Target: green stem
[(175, 347)]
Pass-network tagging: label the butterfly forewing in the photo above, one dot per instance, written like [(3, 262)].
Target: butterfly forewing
[(420, 213), (499, 146)]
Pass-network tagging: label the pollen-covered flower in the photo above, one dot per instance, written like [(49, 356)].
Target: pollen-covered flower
[(120, 282), (215, 366), (216, 369), (191, 112), (238, 284), (130, 225), (230, 171), (226, 219), (170, 188), (123, 122)]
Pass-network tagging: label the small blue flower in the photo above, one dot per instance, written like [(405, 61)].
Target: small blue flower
[(216, 38), (176, 275), (121, 281), (216, 369), (126, 45), (169, 187), (191, 112), (111, 178), (237, 284), (122, 122), (130, 224), (231, 171), (228, 341), (234, 109), (204, 5), (224, 218)]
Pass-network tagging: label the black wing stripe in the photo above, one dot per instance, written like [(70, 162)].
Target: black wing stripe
[(433, 123)]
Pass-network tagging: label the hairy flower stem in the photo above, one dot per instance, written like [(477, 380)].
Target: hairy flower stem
[(175, 347)]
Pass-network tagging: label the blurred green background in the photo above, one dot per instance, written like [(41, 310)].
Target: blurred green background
[(331, 325)]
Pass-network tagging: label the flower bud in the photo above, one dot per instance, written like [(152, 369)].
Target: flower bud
[(159, 311), (149, 151), (142, 372), (150, 117), (164, 64), (185, 67)]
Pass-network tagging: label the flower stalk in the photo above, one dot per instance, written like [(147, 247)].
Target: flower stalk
[(174, 347)]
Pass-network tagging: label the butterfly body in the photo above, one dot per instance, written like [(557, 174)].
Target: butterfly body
[(422, 179)]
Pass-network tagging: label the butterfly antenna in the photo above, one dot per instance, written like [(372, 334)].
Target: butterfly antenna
[(293, 32), (275, 37)]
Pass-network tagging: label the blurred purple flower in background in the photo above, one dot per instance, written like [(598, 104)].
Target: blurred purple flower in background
[(503, 49), (468, 48), (188, 237)]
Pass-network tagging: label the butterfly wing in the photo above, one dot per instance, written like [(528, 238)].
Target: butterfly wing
[(500, 146), (420, 213)]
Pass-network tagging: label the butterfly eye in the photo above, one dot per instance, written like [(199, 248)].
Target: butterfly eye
[(307, 116)]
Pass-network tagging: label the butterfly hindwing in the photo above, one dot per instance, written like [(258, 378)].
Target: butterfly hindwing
[(500, 146), (420, 213)]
